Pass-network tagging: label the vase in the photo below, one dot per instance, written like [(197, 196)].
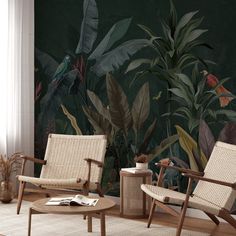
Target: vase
[(143, 166), (6, 191)]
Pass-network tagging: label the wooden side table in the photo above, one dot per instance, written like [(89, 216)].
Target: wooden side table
[(134, 202), (103, 204)]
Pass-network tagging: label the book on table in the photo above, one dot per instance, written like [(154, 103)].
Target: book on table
[(77, 200), (135, 170)]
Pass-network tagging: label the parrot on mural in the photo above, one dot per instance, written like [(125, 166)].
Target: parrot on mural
[(62, 68), (212, 82)]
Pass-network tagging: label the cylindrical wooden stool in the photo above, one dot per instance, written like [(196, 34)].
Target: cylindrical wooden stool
[(134, 202)]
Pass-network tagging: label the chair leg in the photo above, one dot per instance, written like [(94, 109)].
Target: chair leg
[(20, 196), (151, 213), (99, 191), (181, 221), (213, 218), (184, 209), (227, 217)]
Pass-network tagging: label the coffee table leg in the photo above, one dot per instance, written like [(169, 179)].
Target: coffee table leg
[(90, 224), (103, 224), (29, 221)]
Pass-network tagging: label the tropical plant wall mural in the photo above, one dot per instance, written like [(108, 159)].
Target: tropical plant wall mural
[(149, 74)]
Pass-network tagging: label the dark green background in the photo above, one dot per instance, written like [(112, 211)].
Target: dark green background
[(57, 32), (57, 24)]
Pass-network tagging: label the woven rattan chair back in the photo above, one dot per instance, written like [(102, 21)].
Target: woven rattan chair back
[(65, 156), (221, 166)]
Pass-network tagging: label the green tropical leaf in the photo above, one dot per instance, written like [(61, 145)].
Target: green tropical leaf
[(230, 114), (188, 144), (183, 21), (113, 59), (118, 105), (166, 143), (141, 108), (187, 29), (185, 79), (172, 17), (136, 63), (185, 111), (182, 60), (147, 30), (98, 105), (72, 120), (88, 31), (182, 94), (116, 32), (167, 32), (190, 37)]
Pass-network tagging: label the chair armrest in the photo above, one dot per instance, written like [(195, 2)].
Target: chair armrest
[(214, 181), (180, 169), (36, 160), (98, 163)]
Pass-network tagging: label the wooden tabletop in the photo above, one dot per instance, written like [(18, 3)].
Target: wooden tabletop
[(103, 204)]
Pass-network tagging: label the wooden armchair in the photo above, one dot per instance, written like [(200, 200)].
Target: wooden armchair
[(214, 194), (71, 163)]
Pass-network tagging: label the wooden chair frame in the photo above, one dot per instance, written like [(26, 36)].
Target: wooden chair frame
[(224, 214)]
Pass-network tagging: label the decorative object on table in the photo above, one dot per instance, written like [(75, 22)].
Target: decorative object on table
[(8, 166), (141, 161)]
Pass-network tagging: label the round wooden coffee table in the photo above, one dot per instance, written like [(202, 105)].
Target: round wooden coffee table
[(103, 204)]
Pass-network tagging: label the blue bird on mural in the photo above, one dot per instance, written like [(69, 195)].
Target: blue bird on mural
[(62, 68)]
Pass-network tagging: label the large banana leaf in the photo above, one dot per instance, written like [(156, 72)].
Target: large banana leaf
[(48, 64), (88, 31), (98, 105), (206, 139), (118, 105), (141, 108), (117, 31), (72, 120), (113, 59), (189, 144)]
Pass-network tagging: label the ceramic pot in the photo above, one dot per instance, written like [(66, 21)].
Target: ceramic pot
[(6, 191), (143, 166)]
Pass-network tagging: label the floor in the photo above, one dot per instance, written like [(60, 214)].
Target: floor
[(194, 224)]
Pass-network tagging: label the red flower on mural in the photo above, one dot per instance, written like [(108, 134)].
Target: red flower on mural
[(212, 82)]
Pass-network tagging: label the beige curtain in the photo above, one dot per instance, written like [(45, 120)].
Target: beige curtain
[(17, 99)]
